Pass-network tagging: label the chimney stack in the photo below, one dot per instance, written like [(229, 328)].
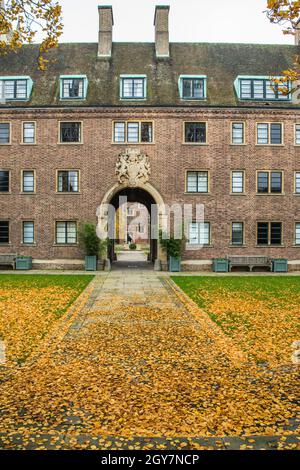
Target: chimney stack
[(106, 22), (161, 23)]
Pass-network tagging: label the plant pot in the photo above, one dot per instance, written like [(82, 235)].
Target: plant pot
[(91, 263), (220, 265), (174, 264), (280, 265), (23, 264)]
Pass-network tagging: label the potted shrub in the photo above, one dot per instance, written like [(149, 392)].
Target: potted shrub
[(132, 246), (173, 247), (92, 245), (23, 263)]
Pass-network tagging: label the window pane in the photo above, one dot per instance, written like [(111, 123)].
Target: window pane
[(187, 88), (28, 132), (193, 233), (245, 89), (28, 181), (66, 232), (68, 181), (73, 88), (297, 182), (192, 88), (237, 233), (71, 232), (297, 234), (204, 233), (202, 181), (297, 134), (276, 132), (192, 181), (133, 132), (4, 232), (276, 182), (238, 133), (262, 233), (28, 232), (262, 182), (21, 89), (4, 181), (146, 132), (133, 88), (195, 132), (262, 133), (275, 233), (270, 93), (4, 133), (119, 132), (237, 182), (258, 89), (70, 131)]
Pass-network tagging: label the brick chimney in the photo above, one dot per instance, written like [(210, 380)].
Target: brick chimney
[(106, 22), (161, 23)]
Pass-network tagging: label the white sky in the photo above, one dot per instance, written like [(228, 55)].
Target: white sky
[(190, 21)]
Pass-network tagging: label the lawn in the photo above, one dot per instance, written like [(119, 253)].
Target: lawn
[(261, 314), (30, 305)]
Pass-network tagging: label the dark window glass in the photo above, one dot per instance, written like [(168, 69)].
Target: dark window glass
[(276, 233), (193, 88), (195, 132), (262, 233), (4, 232), (146, 132), (70, 132), (68, 181), (263, 182), (4, 133), (237, 233), (4, 181), (276, 134), (276, 182)]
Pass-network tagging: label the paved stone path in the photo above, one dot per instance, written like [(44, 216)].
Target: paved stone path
[(131, 351)]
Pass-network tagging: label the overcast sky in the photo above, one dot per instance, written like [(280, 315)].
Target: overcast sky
[(190, 21)]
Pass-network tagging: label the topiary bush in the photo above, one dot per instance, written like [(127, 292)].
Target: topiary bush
[(132, 246)]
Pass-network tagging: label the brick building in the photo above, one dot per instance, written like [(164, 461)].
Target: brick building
[(213, 129)]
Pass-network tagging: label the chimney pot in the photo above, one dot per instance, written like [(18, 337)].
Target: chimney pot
[(161, 23), (106, 22)]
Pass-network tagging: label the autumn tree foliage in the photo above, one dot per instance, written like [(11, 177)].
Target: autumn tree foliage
[(22, 20), (286, 13)]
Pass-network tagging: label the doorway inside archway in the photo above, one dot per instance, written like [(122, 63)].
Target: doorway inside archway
[(134, 245)]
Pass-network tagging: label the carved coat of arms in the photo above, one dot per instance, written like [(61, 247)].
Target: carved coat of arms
[(133, 168)]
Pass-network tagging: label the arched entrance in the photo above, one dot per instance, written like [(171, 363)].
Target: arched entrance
[(149, 197)]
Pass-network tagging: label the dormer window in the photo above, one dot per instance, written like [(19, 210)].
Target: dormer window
[(259, 89), (73, 87), (133, 87), (192, 87), (15, 88)]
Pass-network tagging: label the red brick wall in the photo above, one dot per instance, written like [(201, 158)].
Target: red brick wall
[(96, 159)]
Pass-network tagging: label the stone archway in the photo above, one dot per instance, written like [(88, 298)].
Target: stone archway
[(146, 194)]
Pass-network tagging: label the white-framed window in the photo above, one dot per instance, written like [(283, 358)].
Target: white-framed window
[(133, 132), (28, 232), (237, 233), (199, 233), (297, 233), (73, 87), (192, 87), (297, 182), (197, 181), (297, 134), (237, 182), (28, 181), (68, 181), (133, 87), (269, 133), (4, 133), (15, 88), (238, 133), (28, 132), (66, 233)]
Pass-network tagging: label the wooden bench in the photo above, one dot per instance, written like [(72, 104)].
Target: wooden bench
[(8, 260), (250, 262)]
